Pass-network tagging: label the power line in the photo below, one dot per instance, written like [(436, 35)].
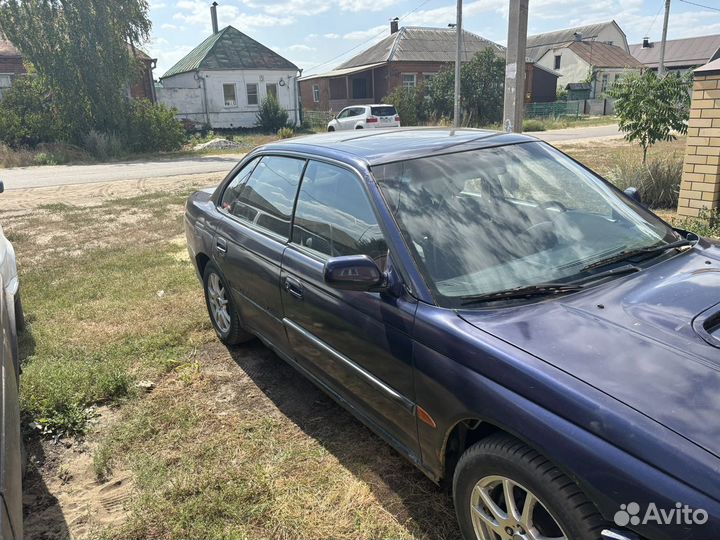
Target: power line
[(699, 5), (655, 19), (373, 38)]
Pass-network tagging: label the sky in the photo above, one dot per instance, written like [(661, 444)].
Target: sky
[(317, 35)]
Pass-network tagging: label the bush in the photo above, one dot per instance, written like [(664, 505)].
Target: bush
[(706, 224), (103, 146), (153, 127), (285, 133), (533, 124), (271, 116), (658, 180), (409, 103), (27, 116)]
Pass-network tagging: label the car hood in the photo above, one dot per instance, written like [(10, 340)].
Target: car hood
[(633, 338)]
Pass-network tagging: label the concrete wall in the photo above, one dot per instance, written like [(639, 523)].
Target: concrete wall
[(188, 93)]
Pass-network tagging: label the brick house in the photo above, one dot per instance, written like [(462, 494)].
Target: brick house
[(407, 57), (11, 66)]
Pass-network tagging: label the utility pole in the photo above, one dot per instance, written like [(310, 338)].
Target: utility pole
[(458, 65), (515, 66), (661, 67)]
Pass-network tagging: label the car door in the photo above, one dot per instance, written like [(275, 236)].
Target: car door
[(357, 343), (251, 237), (343, 119)]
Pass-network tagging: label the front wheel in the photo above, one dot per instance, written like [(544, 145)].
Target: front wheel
[(330, 128), (223, 315), (504, 490), (19, 314)]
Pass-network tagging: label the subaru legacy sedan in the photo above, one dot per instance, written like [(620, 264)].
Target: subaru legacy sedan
[(514, 325)]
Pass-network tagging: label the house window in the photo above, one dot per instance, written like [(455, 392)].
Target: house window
[(359, 89), (558, 57), (408, 80), (229, 95), (271, 90), (252, 93), (604, 85), (316, 93), (5, 83)]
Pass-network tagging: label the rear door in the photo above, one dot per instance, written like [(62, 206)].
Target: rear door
[(250, 240), (357, 343), (386, 115)]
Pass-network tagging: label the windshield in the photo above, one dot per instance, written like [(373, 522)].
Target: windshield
[(495, 219)]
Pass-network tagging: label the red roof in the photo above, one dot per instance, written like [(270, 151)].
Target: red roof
[(8, 49)]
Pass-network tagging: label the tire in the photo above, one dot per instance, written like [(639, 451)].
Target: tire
[(19, 315), (560, 508), (228, 328), (358, 127), (331, 128)]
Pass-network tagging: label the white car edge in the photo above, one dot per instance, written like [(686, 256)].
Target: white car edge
[(11, 281)]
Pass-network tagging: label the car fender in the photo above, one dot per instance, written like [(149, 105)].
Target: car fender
[(8, 265)]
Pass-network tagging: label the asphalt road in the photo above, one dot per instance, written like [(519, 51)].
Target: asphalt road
[(64, 175)]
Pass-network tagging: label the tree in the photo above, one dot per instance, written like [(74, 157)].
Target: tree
[(482, 86), (84, 51), (650, 108), (27, 115)]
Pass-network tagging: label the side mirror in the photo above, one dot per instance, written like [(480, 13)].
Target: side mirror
[(634, 194), (2, 186), (354, 273)]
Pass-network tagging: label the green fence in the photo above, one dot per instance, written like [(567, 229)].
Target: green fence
[(554, 109)]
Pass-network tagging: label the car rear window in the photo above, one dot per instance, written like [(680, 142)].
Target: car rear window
[(383, 111)]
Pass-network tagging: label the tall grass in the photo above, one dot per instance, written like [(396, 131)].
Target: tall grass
[(658, 180)]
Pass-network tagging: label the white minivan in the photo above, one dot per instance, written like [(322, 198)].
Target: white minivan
[(365, 117)]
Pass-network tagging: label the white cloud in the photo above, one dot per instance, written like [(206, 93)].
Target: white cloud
[(442, 16), (364, 5), (300, 47), (292, 8), (331, 36), (359, 35), (197, 13)]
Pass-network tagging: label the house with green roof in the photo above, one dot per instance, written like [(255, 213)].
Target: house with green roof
[(223, 81)]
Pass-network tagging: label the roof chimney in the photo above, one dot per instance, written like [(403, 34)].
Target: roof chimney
[(213, 14), (394, 25), (646, 43), (578, 36)]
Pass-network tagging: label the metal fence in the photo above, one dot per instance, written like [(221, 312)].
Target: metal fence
[(317, 119), (554, 109)]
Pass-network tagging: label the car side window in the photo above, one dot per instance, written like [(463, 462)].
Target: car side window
[(233, 189), (266, 199), (344, 114), (334, 216)]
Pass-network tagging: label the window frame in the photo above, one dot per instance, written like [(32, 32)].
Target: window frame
[(316, 93), (250, 224), (402, 80), (558, 61), (257, 94), (225, 100), (267, 90)]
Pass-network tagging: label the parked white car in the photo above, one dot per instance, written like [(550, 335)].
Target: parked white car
[(365, 117), (11, 283)]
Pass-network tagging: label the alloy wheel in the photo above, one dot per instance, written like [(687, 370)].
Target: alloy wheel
[(502, 509), (218, 303)]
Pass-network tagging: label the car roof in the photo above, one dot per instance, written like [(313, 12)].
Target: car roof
[(396, 144), (381, 146)]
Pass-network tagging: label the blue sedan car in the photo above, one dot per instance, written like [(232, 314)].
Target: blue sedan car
[(514, 325)]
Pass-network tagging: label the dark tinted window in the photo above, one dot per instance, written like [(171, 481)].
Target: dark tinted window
[(383, 111), (266, 198), (233, 189), (334, 216)]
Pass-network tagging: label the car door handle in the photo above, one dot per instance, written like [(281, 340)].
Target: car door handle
[(221, 246), (294, 287)]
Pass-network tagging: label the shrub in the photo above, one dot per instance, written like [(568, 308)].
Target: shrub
[(706, 224), (533, 124), (286, 132), (153, 127), (271, 116), (409, 103), (658, 180), (103, 146), (27, 116)]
